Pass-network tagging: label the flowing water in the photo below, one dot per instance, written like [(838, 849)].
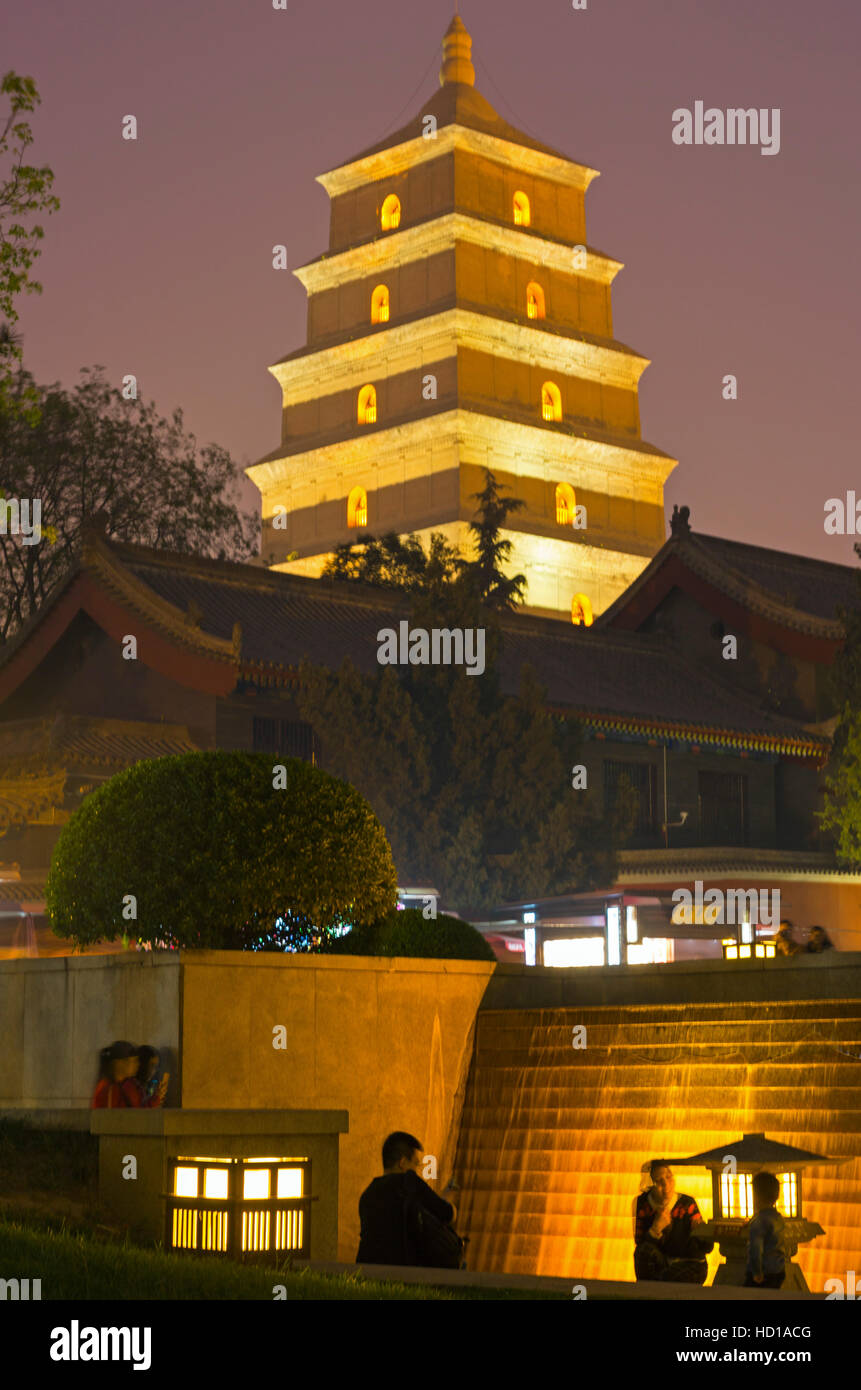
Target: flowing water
[(553, 1138)]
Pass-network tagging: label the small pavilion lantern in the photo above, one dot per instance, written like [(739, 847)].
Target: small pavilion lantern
[(246, 1208), (733, 1166)]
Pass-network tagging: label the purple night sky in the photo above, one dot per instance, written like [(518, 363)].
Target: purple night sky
[(159, 262)]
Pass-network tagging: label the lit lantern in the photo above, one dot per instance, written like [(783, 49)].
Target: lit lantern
[(733, 1166), (246, 1208), (744, 950)]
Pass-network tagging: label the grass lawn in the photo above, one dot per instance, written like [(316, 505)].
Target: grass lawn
[(74, 1264)]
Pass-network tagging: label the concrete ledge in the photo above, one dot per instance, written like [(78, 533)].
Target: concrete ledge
[(832, 975), (71, 1118), (165, 1121), (595, 1288)]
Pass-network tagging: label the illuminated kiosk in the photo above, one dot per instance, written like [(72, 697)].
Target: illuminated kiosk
[(732, 1200), (235, 1183)]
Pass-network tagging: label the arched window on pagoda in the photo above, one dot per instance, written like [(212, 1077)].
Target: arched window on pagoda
[(380, 305), (551, 401), (566, 504), (581, 611), (367, 406), (390, 216), (522, 213), (534, 301), (357, 507)]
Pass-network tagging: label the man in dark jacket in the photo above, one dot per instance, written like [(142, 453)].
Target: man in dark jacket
[(386, 1237), (665, 1226)]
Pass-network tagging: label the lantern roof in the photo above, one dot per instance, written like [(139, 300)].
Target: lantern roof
[(754, 1151)]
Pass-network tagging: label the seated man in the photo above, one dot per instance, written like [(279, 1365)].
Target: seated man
[(665, 1223), (386, 1238)]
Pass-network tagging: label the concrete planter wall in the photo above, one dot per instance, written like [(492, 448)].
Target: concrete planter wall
[(387, 1041)]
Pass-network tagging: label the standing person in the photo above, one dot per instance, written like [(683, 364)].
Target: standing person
[(142, 1090), (386, 1234), (766, 1246), (666, 1245), (117, 1064)]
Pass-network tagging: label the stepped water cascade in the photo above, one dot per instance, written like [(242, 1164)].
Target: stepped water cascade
[(553, 1137)]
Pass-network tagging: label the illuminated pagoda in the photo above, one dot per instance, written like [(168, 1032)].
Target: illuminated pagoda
[(459, 320)]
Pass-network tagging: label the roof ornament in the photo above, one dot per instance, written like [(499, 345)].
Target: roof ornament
[(236, 639), (193, 614), (680, 521), (456, 55)]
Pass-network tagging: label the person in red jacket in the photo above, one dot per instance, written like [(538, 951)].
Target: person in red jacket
[(117, 1064)]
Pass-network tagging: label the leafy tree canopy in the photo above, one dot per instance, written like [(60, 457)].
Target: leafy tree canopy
[(25, 193), (408, 933), (210, 853), (93, 453), (396, 562)]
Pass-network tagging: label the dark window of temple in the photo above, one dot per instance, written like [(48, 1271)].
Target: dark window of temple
[(643, 779), (723, 808), (291, 738)]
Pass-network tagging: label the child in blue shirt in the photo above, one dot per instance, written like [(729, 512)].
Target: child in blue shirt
[(766, 1248)]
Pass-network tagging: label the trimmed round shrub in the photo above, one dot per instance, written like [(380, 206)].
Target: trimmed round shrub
[(217, 850), (409, 933)]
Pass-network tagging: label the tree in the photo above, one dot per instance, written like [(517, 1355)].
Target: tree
[(842, 803), (24, 192), (91, 452), (204, 850), (841, 812), (395, 562), (473, 787), (485, 573), (409, 933)]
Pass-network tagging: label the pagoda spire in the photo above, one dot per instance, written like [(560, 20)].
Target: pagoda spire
[(456, 55)]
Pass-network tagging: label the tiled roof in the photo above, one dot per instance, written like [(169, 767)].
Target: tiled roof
[(630, 681), (636, 865), (793, 591), (605, 673), (816, 587), (458, 104)]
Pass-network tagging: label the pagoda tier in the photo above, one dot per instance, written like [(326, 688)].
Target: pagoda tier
[(460, 321)]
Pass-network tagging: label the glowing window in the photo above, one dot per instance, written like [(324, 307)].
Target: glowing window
[(215, 1183), (357, 507), (185, 1184), (289, 1182), (380, 305), (255, 1183), (567, 952), (581, 611), (654, 950), (551, 401), (522, 215), (534, 301), (566, 504), (367, 405), (736, 1194), (390, 216)]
